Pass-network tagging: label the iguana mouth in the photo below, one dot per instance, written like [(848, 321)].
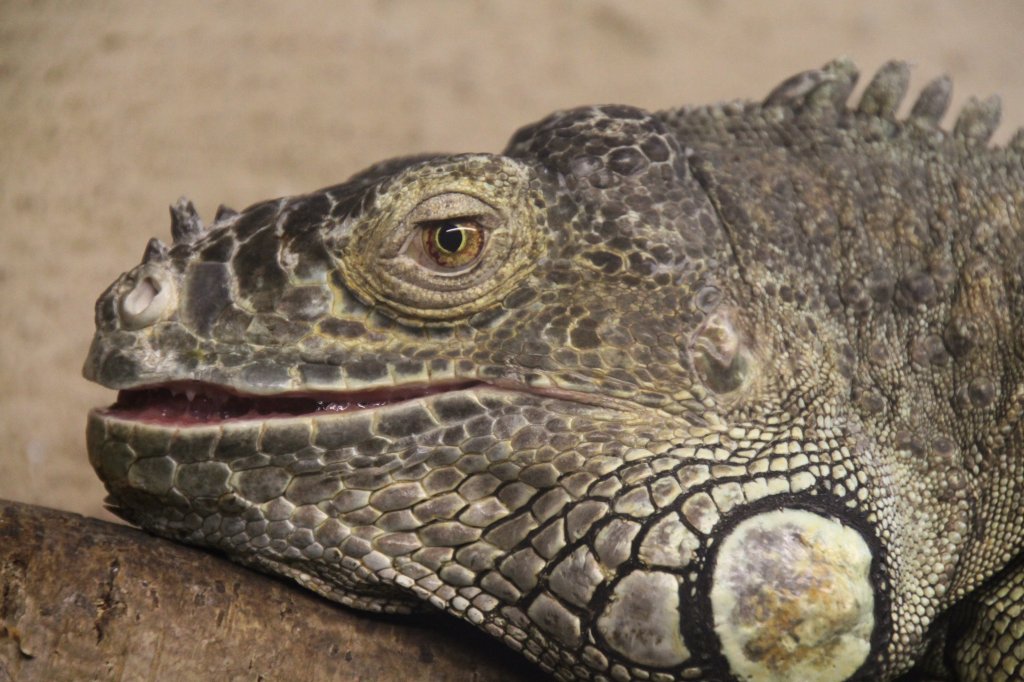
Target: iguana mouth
[(197, 403)]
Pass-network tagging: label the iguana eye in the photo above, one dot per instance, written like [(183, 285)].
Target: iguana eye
[(453, 243), (444, 240)]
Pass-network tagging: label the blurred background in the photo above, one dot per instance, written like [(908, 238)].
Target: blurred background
[(111, 110)]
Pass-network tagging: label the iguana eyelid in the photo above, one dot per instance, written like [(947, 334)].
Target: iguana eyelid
[(449, 205)]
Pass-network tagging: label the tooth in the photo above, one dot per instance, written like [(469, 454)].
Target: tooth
[(190, 393)]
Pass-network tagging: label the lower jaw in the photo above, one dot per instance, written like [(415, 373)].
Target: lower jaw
[(335, 580)]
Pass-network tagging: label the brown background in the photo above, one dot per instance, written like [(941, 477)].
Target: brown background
[(111, 110)]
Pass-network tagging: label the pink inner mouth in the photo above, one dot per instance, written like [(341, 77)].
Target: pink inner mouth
[(194, 403)]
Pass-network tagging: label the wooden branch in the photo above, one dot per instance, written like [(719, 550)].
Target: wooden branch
[(81, 599)]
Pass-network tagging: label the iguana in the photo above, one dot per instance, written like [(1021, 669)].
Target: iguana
[(720, 393)]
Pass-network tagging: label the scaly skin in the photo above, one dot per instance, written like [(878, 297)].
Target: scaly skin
[(721, 393)]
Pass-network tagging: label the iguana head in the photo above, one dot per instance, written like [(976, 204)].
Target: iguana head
[(594, 271), (517, 387)]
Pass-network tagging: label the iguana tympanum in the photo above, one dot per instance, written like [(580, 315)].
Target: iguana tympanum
[(720, 393)]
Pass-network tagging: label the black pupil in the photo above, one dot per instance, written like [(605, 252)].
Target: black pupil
[(450, 237)]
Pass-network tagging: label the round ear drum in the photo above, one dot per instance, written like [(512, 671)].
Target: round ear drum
[(792, 597)]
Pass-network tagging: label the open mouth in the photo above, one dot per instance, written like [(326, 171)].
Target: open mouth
[(195, 403)]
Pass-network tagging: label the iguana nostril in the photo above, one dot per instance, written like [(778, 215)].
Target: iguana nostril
[(148, 300), (140, 298)]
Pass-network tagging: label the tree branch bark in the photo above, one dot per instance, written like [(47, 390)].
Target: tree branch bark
[(81, 599)]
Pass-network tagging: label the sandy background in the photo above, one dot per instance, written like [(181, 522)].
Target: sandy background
[(111, 110)]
